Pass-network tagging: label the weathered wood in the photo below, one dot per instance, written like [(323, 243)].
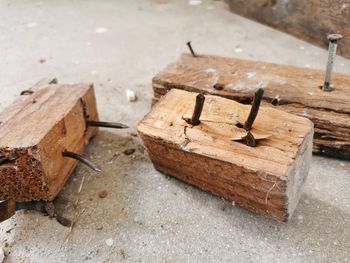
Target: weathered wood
[(311, 20), (34, 131), (295, 90), (266, 179)]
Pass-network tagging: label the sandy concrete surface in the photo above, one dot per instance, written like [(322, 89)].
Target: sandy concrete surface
[(146, 216)]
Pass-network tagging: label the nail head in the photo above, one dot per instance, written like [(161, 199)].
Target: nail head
[(334, 37)]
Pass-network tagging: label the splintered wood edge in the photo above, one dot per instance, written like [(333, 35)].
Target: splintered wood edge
[(51, 173), (289, 83), (330, 126), (294, 127), (299, 166)]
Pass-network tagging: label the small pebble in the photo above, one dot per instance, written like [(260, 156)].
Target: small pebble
[(130, 95), (103, 194), (195, 2), (129, 151), (42, 60), (109, 242), (101, 30), (238, 49)]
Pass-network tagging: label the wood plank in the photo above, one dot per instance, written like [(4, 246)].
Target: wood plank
[(297, 91), (34, 131), (266, 179), (310, 20)]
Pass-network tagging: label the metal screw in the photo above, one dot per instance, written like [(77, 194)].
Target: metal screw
[(191, 49), (332, 50)]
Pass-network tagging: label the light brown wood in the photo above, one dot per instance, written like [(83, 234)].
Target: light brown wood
[(297, 90), (310, 20), (266, 179), (34, 131)]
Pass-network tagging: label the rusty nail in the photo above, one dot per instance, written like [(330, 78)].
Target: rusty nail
[(114, 125), (191, 49), (254, 110), (82, 159), (198, 107)]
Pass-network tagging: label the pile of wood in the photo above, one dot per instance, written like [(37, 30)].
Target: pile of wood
[(291, 89)]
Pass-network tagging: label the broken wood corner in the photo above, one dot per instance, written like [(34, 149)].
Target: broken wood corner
[(35, 131), (266, 179)]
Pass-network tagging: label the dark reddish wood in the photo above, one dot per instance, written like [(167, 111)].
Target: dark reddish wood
[(311, 20)]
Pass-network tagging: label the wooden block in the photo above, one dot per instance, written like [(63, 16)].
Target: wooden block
[(310, 20), (266, 179), (296, 90), (34, 131)]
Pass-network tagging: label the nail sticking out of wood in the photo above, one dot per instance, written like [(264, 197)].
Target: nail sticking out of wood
[(254, 110), (198, 107), (31, 163), (295, 90), (332, 51), (207, 157), (191, 49), (82, 159), (113, 125)]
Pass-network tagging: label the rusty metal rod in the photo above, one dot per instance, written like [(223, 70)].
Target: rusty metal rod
[(191, 49), (82, 159), (114, 125), (198, 107), (254, 110)]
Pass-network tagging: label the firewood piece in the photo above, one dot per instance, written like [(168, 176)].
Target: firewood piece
[(295, 90), (310, 20), (35, 130), (266, 179)]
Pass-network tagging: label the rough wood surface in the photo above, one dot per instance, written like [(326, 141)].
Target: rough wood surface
[(34, 131), (266, 179), (295, 90), (311, 20)]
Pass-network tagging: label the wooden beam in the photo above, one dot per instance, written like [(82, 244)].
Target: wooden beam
[(292, 89), (34, 131), (266, 179), (310, 20)]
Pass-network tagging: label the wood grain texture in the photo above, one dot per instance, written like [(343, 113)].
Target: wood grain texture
[(311, 20), (266, 179), (295, 90), (34, 131)]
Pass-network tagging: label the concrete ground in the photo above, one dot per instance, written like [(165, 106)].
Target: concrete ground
[(146, 216)]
